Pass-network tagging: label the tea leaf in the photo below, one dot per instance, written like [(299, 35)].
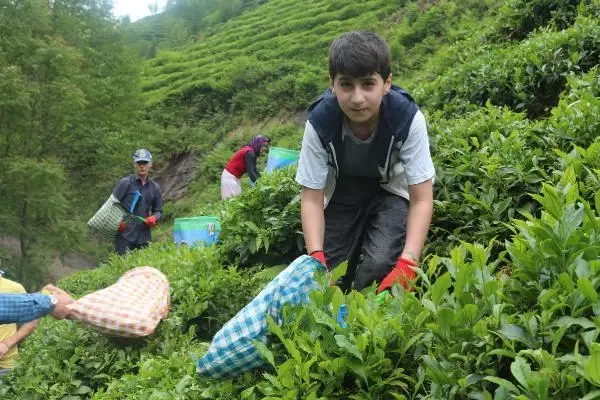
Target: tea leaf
[(502, 383), (592, 366), (521, 371), (587, 289), (518, 333), (440, 288), (343, 342)]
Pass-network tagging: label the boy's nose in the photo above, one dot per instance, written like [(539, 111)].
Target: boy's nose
[(357, 96)]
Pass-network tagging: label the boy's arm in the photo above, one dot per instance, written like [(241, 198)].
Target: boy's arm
[(312, 175), (11, 341), (420, 211), (419, 170), (313, 220)]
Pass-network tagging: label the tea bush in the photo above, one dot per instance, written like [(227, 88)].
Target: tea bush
[(518, 18), (488, 160), (526, 76), (262, 225), (506, 306), (66, 358)]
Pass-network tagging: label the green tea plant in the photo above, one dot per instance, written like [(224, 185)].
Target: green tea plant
[(66, 358), (262, 225), (527, 75)]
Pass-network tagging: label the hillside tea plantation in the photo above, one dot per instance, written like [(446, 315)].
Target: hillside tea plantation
[(506, 304)]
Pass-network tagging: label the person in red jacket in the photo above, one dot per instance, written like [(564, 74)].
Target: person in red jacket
[(243, 161)]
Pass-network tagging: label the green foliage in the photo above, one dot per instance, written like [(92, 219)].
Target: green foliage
[(181, 23), (66, 358), (574, 119), (288, 136), (262, 225), (518, 18), (269, 59), (69, 93), (528, 75), (506, 306), (556, 244), (33, 195), (488, 160), (458, 337), (493, 143)]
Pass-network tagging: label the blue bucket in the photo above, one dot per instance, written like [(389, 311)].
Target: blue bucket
[(281, 158), (196, 231)]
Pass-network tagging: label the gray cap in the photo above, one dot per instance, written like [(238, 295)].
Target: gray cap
[(142, 155)]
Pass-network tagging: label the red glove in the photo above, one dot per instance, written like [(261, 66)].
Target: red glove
[(402, 273), (151, 221), (122, 226), (320, 256)]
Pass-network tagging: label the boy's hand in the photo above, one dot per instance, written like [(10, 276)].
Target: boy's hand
[(319, 255), (122, 226), (402, 273)]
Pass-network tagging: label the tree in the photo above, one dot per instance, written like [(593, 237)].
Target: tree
[(34, 197), (70, 106)]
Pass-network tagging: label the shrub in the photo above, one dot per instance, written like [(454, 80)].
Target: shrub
[(262, 225)]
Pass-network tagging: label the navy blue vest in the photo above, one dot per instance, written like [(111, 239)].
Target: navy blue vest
[(396, 114)]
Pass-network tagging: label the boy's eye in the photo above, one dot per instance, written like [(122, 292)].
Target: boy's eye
[(345, 84)]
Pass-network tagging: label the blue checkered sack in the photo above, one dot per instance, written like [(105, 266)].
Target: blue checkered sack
[(232, 351)]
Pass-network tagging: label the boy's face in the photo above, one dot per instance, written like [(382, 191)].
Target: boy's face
[(360, 98)]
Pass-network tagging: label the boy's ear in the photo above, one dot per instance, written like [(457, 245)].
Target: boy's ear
[(388, 84)]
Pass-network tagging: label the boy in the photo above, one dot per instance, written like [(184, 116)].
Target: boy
[(365, 169)]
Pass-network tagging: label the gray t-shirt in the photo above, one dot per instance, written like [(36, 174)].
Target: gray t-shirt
[(359, 157), (414, 164)]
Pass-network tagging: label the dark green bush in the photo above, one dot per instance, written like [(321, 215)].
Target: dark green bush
[(527, 76), (262, 225), (518, 18)]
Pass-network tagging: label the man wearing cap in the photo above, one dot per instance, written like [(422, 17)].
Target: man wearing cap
[(141, 196)]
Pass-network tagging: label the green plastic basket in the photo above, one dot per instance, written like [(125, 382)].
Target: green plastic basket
[(107, 218), (281, 158), (196, 230)]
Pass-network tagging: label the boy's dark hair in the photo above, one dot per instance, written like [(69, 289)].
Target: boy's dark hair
[(359, 54)]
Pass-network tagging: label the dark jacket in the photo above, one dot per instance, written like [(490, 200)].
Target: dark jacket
[(397, 111), (151, 203)]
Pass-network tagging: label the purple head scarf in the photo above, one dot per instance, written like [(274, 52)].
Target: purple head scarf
[(258, 142)]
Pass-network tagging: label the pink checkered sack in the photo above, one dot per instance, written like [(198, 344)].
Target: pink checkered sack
[(132, 307)]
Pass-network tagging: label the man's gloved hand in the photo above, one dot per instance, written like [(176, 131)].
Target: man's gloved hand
[(122, 226), (151, 221), (402, 273), (320, 256)]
